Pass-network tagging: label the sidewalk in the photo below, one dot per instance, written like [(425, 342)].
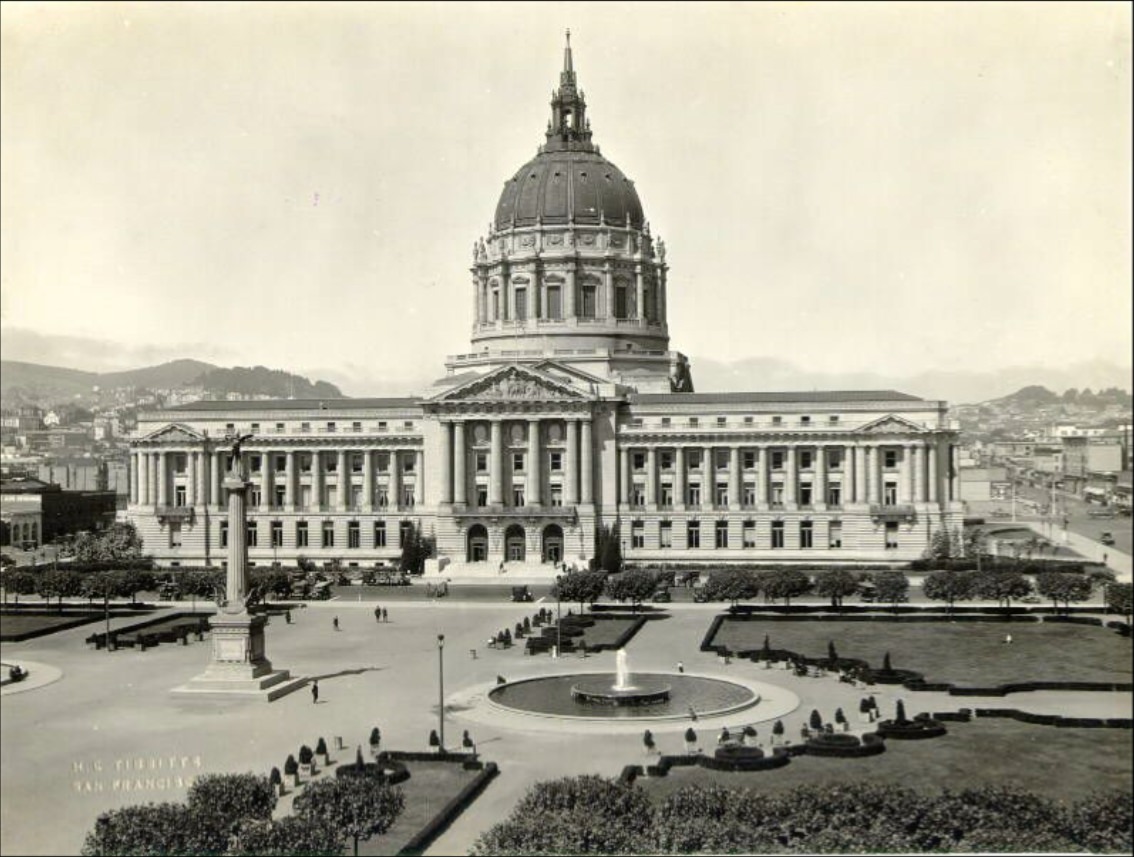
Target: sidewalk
[(1119, 562)]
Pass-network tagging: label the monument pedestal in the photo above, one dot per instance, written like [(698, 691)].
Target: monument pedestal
[(238, 667)]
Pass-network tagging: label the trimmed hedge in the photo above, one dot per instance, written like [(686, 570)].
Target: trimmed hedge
[(840, 745), (448, 813), (912, 730)]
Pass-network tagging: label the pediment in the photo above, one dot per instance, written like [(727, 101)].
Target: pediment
[(516, 384), (891, 424), (175, 433)]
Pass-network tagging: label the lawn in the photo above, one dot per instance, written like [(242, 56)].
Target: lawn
[(16, 626), (606, 631), (431, 785), (992, 751), (968, 654)]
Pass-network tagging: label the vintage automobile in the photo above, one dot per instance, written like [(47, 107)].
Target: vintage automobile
[(521, 593), (1107, 538)]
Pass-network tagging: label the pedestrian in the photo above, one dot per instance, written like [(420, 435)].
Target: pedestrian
[(385, 615), (336, 623), (288, 617), (680, 667), (315, 692), (1007, 638), (377, 614)]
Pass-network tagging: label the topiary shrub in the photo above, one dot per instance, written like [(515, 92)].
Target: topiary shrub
[(816, 721)]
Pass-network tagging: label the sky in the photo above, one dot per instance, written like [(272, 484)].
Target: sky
[(846, 187)]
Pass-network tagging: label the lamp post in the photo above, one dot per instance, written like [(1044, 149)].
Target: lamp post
[(558, 616), (441, 689)]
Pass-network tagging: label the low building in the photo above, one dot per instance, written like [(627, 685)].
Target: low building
[(61, 512)]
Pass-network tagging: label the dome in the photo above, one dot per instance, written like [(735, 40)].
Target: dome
[(565, 186)]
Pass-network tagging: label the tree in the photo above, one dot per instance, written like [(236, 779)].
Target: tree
[(416, 549), (635, 585), (891, 587), (435, 740), (118, 543), (359, 807), (20, 582), (785, 583), (608, 549), (58, 583), (584, 587), (225, 799), (1063, 588), (836, 584), (949, 586), (291, 834), (1001, 586), (940, 546), (1119, 598), (155, 828), (131, 581), (731, 584)]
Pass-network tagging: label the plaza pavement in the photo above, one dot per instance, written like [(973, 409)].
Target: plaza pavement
[(67, 749)]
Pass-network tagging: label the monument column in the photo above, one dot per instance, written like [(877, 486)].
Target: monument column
[(608, 289), (535, 465), (496, 463), (588, 474), (569, 292), (460, 459), (572, 463)]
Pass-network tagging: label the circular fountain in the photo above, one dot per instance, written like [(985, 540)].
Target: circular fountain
[(599, 691)]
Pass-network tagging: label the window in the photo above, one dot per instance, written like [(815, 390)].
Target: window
[(889, 458), (521, 296), (556, 492), (480, 462), (834, 459), (481, 496), (328, 534), (555, 462), (305, 427), (305, 464), (404, 531), (280, 496), (587, 310), (777, 534), (379, 534), (665, 497), (638, 494), (665, 534), (356, 426), (835, 495), (665, 459), (805, 421), (694, 494), (407, 496), (721, 458), (891, 535), (721, 494), (409, 462), (693, 456), (331, 464), (382, 497), (252, 534), (620, 302), (806, 459), (179, 495), (748, 494), (180, 463), (254, 496), (301, 538), (833, 418), (356, 464), (750, 534), (777, 494), (280, 463), (693, 534), (353, 537), (722, 534), (222, 534), (777, 421), (517, 462), (255, 428), (693, 421), (175, 535), (777, 459), (890, 494), (638, 460), (255, 462), (517, 495), (835, 534), (748, 421), (637, 535), (277, 534), (805, 494), (496, 304), (331, 427), (722, 421), (665, 421), (748, 459), (279, 428), (383, 425), (554, 303), (806, 534), (230, 428)]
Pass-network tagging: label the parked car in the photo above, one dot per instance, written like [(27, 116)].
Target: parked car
[(1100, 513), (661, 596), (521, 593), (1030, 599), (321, 591), (1107, 538)]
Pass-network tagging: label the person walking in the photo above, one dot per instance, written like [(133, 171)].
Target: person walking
[(315, 692), (385, 615), (336, 623), (680, 667), (377, 614)]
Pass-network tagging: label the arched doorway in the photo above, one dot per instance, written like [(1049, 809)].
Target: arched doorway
[(476, 544), (515, 544), (553, 544)]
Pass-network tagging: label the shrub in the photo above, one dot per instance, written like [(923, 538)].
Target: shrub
[(434, 739), (291, 767), (375, 737), (816, 720), (321, 747), (305, 755), (225, 799)]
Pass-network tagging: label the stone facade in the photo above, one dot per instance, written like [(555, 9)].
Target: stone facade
[(570, 411)]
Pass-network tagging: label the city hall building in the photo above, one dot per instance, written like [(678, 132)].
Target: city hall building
[(568, 411)]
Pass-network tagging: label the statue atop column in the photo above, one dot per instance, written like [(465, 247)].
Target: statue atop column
[(236, 468)]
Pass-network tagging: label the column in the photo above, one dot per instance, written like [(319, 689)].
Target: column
[(460, 459), (849, 470), (367, 481), (267, 485), (931, 453), (143, 478), (191, 467), (876, 473), (419, 481), (163, 479), (734, 477), (789, 477), (608, 290), (203, 463), (569, 293), (289, 482), (906, 481), (819, 486), (316, 483), (640, 294), (496, 464), (132, 475), (535, 465), (679, 477), (652, 477), (395, 480), (954, 472), (916, 480), (624, 475), (868, 470), (218, 478), (446, 462), (588, 474), (761, 475), (708, 479), (571, 490)]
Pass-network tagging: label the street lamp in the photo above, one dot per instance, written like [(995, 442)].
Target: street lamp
[(441, 689), (559, 616)]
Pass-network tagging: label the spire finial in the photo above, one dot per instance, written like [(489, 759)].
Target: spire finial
[(567, 64)]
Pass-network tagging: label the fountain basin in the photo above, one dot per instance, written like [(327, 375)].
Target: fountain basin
[(599, 691)]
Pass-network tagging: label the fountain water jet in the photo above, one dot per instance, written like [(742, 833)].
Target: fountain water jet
[(599, 691), (622, 671)]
